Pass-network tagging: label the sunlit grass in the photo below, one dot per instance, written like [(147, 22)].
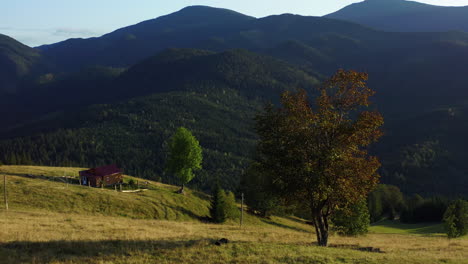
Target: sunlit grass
[(395, 227), (50, 222)]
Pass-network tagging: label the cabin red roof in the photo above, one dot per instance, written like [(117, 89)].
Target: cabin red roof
[(102, 171)]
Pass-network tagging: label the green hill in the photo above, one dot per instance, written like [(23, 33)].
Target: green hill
[(45, 188)]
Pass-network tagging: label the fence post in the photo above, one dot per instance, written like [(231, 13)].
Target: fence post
[(5, 191), (242, 209)]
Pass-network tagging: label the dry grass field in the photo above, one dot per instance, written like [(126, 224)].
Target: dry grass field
[(37, 233)]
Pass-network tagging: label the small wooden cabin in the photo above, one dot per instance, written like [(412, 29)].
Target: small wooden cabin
[(107, 175)]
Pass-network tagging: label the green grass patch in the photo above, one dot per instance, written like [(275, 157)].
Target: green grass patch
[(396, 227)]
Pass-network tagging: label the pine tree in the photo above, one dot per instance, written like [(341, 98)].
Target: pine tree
[(217, 208), (456, 219)]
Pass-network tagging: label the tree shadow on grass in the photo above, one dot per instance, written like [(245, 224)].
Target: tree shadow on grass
[(51, 251), (270, 222)]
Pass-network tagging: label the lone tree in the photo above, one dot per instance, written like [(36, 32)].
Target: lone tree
[(316, 153), (456, 219), (185, 156)]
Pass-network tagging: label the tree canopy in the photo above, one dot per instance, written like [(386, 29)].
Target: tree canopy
[(185, 156), (316, 153)]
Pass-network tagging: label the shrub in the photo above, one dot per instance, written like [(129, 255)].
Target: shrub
[(456, 219), (352, 221)]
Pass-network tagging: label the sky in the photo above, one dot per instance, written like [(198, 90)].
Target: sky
[(37, 22)]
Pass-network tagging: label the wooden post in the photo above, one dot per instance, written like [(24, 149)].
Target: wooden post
[(121, 187), (79, 179), (5, 191), (89, 184), (242, 209), (115, 187)]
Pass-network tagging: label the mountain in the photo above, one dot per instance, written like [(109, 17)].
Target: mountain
[(123, 47), (123, 111), (215, 95), (404, 16), (16, 62), (397, 62)]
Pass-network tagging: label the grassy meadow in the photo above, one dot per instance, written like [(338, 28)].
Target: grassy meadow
[(50, 222)]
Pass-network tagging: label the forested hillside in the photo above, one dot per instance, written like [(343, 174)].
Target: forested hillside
[(16, 62), (217, 102), (118, 98), (405, 16)]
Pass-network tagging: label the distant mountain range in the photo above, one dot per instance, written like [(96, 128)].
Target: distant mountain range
[(405, 16), (117, 98)]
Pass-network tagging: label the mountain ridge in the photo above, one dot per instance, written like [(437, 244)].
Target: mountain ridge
[(404, 16)]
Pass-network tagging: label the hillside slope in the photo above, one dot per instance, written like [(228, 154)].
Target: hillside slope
[(215, 95), (413, 64), (52, 222), (45, 188), (16, 62), (404, 16)]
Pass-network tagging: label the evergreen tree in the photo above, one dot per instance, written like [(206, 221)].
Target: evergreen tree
[(257, 188), (375, 206), (456, 219), (230, 208), (217, 208)]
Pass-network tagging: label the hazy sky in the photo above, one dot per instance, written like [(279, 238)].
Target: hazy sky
[(36, 22)]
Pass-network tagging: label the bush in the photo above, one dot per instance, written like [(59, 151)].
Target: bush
[(352, 221), (456, 219)]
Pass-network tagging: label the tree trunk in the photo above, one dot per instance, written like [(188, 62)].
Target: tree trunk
[(321, 227), (181, 190)]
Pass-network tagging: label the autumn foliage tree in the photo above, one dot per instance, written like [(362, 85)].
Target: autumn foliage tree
[(316, 153)]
